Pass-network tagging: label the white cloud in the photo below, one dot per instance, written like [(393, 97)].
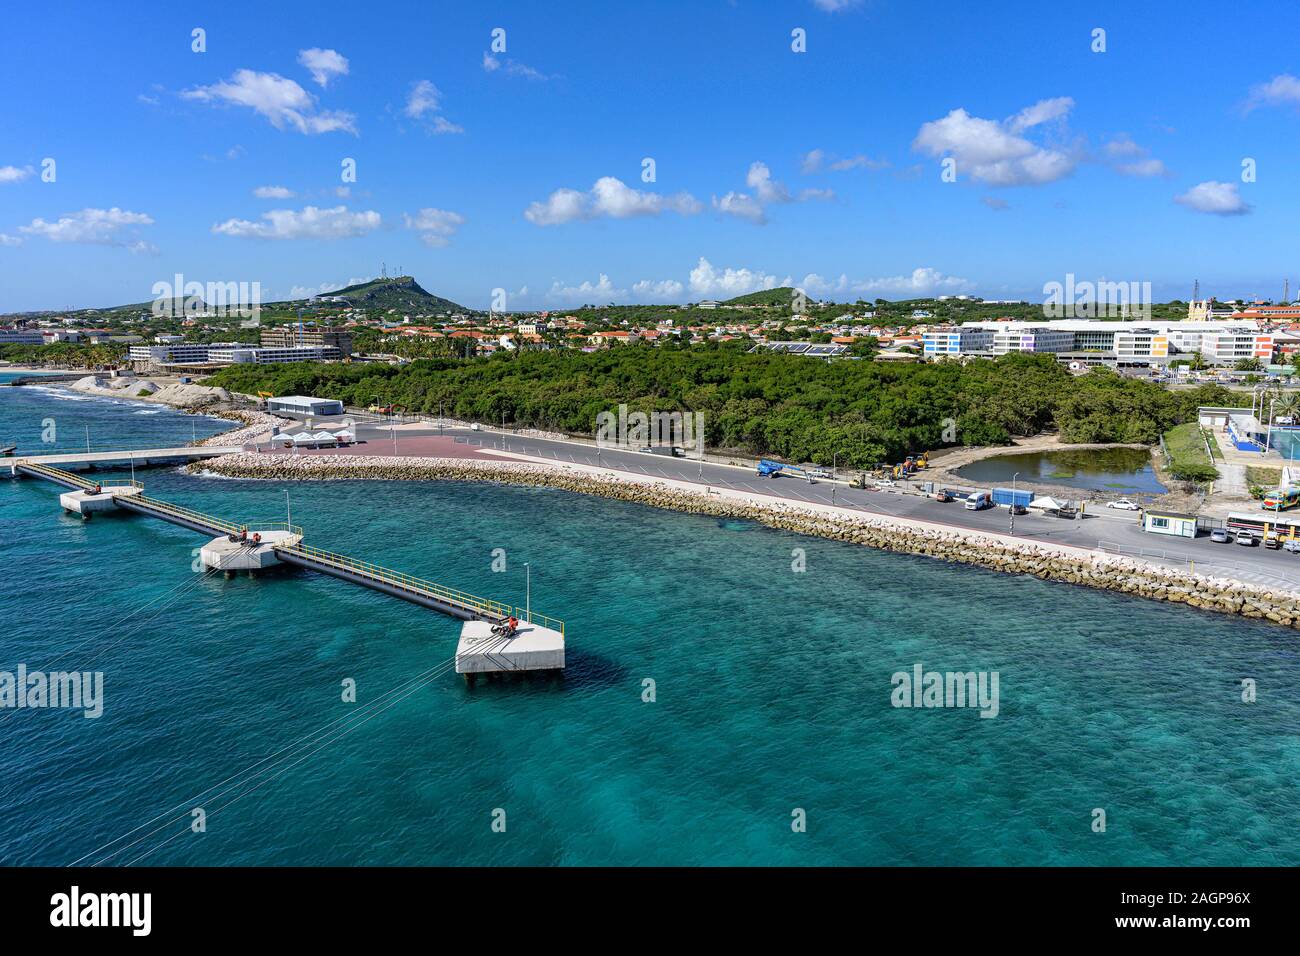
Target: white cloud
[(309, 223), (273, 192), (1281, 90), (662, 291), (1143, 168), (1219, 199), (280, 100), (920, 282), (759, 178), (706, 282), (100, 227), (1043, 111), (423, 98), (815, 160), (443, 125), (492, 64), (598, 293), (858, 162), (995, 203), (993, 152), (14, 174), (8, 240), (342, 192), (324, 65), (306, 292), (766, 192), (609, 197), (435, 226), (741, 205), (835, 6), (1130, 159), (424, 104)]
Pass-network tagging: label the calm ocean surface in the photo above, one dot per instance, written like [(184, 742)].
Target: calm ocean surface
[(773, 691)]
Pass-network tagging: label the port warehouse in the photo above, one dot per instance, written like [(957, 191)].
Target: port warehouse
[(1107, 342)]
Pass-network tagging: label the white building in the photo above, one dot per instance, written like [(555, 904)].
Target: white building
[(1118, 343), (21, 337), (959, 340)]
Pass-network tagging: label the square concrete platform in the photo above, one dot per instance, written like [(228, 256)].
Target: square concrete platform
[(533, 648), (222, 554), (87, 502)]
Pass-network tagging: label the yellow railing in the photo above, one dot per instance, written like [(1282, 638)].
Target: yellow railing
[(274, 526), (537, 617), (166, 507), (57, 473), (405, 582)]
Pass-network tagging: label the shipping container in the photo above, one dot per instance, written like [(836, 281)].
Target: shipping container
[(1012, 496)]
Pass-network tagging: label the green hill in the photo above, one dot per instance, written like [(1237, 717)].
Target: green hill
[(395, 292), (779, 296)]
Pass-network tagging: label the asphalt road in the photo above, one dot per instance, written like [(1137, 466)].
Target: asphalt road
[(1102, 526)]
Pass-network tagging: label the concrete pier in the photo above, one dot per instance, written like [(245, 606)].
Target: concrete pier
[(222, 554), (533, 648), (86, 503)]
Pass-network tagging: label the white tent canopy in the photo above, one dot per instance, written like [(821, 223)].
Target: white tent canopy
[(1046, 503)]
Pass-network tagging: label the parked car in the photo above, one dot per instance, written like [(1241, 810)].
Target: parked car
[(1272, 541), (1220, 536), (1292, 545), (820, 473), (1246, 538), (1018, 509), (884, 483), (1123, 504), (943, 494)]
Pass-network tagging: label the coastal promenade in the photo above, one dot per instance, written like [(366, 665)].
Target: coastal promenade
[(1101, 529)]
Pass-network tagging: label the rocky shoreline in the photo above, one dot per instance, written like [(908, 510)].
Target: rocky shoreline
[(994, 552)]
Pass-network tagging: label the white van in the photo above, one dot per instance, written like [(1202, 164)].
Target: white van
[(977, 501)]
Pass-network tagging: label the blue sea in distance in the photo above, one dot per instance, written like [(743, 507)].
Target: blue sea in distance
[(772, 692)]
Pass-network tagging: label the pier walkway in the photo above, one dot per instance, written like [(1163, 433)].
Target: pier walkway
[(85, 460), (252, 547)]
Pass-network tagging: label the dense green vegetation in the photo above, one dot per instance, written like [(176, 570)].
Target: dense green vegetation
[(64, 355), (796, 408), (1188, 459)]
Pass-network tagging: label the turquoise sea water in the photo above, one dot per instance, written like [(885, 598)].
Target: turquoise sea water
[(773, 693)]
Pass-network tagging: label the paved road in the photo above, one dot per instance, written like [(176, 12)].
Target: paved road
[(1255, 564)]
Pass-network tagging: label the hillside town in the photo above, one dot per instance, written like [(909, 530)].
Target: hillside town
[(1209, 338)]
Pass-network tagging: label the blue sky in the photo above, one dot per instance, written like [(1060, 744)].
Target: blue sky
[(522, 169)]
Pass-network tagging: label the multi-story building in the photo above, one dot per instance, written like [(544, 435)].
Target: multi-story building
[(177, 354), (1096, 342), (21, 337), (236, 355), (958, 340), (290, 336), (1038, 338)]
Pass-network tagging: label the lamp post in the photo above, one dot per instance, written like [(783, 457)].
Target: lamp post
[(528, 592), (1011, 508)]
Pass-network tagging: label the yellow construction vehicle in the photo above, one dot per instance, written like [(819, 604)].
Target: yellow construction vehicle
[(262, 397)]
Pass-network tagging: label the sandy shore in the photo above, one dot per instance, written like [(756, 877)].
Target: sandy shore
[(251, 424)]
